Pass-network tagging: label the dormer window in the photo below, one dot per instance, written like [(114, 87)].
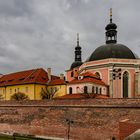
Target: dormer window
[(98, 75), (2, 81), (43, 78), (21, 79), (10, 80), (72, 74), (80, 77), (32, 77)]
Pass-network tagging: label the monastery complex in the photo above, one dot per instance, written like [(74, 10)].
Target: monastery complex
[(111, 71)]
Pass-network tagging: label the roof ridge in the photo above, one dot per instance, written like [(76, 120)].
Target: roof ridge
[(30, 74), (40, 72), (19, 71)]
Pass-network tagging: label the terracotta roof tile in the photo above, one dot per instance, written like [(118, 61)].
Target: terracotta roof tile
[(89, 74), (87, 80), (72, 96), (81, 96), (57, 82), (25, 77)]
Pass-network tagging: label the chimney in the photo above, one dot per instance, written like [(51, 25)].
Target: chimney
[(62, 76), (1, 75), (49, 73)]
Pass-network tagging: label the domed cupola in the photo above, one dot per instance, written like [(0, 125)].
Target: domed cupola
[(111, 49), (78, 58)]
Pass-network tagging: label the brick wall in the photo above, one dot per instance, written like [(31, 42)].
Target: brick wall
[(94, 119), (127, 127)]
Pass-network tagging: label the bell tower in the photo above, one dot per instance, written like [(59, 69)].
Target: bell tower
[(78, 58), (78, 50), (111, 32)]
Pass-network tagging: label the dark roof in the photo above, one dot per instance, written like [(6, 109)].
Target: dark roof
[(111, 26), (38, 75), (76, 64), (112, 50)]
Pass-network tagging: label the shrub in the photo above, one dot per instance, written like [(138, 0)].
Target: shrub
[(19, 96)]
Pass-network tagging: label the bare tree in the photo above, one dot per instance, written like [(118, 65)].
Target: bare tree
[(1, 97), (48, 93)]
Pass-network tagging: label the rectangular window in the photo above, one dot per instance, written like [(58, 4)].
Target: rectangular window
[(26, 89), (10, 91), (18, 90), (100, 91), (96, 90), (42, 89), (93, 89)]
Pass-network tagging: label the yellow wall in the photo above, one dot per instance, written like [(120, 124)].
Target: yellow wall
[(32, 90), (2, 93), (62, 90), (38, 89)]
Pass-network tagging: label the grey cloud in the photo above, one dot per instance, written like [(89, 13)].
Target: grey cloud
[(42, 33)]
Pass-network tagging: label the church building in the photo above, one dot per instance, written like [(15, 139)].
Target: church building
[(114, 63)]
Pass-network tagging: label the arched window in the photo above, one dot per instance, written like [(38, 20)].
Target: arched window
[(72, 74), (125, 84), (96, 90), (93, 89), (77, 89), (70, 90), (85, 89), (98, 75), (10, 91), (100, 91)]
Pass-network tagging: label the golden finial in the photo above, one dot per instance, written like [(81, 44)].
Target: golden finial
[(111, 15), (110, 12)]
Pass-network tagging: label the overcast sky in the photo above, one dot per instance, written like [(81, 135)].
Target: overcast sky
[(42, 33)]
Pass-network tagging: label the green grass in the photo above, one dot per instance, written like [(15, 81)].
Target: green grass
[(5, 137)]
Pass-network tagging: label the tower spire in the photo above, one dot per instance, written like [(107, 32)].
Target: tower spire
[(111, 32), (78, 56), (110, 15), (78, 50), (77, 39)]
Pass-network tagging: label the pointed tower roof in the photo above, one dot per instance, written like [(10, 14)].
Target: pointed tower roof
[(78, 57)]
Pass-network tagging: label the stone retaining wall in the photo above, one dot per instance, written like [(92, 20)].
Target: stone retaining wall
[(94, 119)]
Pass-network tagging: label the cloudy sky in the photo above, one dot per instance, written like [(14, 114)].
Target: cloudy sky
[(42, 33)]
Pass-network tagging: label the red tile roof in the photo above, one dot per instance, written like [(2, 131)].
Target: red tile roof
[(87, 80), (89, 74), (72, 96), (57, 82), (26, 77), (82, 96)]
